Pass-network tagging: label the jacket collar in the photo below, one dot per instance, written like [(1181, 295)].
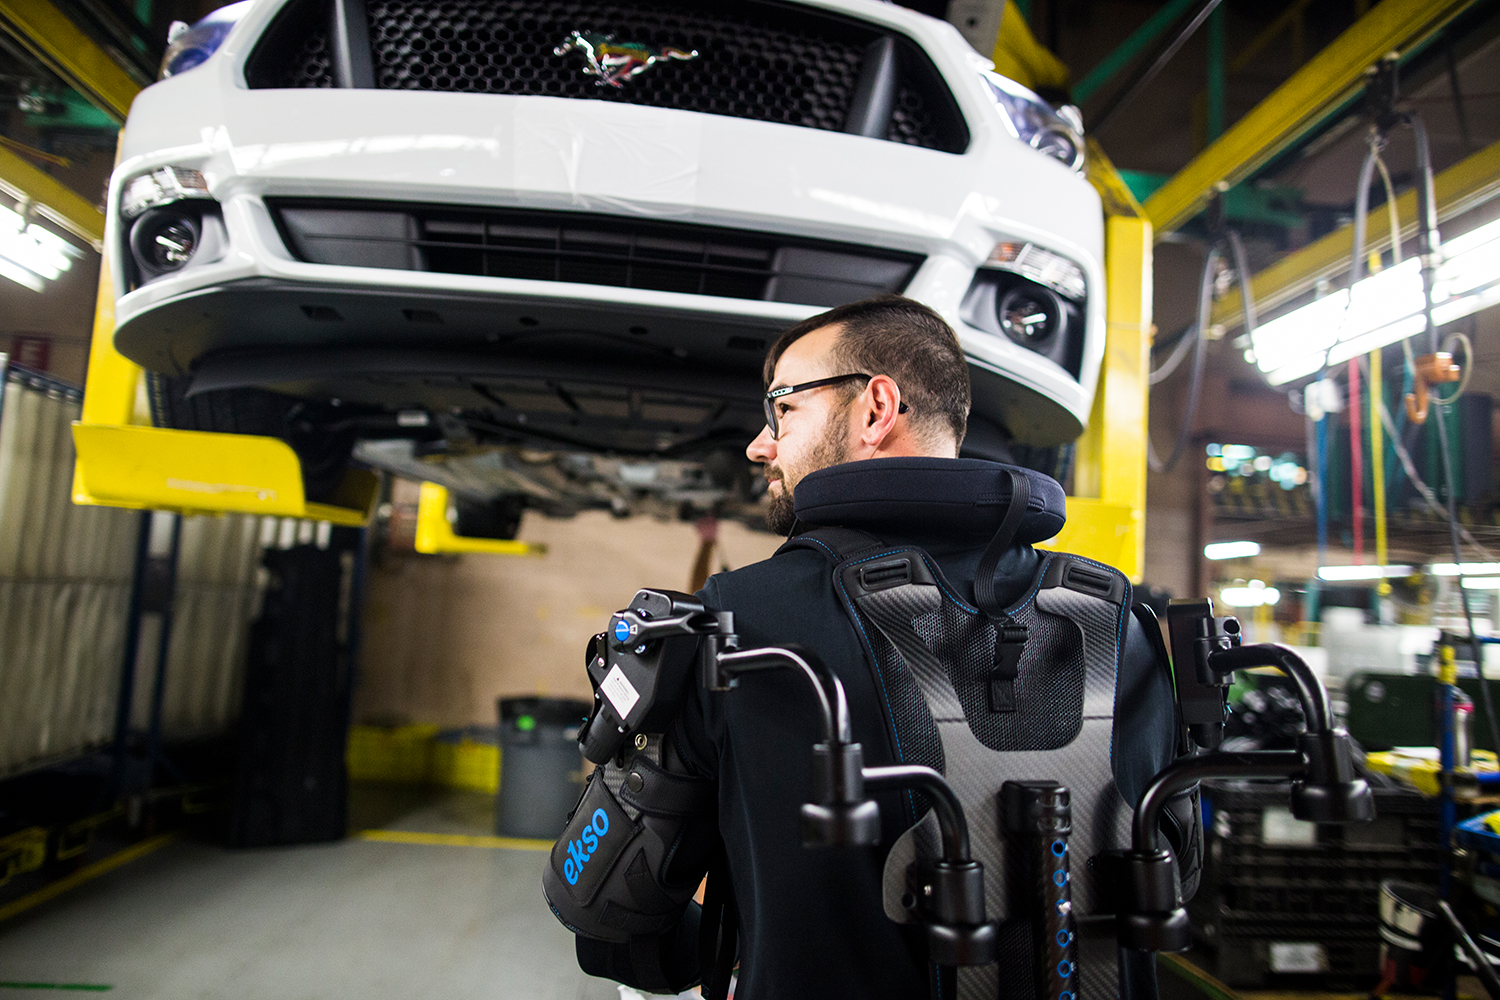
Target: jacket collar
[(963, 498)]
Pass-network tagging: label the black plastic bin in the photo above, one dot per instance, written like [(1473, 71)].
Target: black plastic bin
[(541, 767)]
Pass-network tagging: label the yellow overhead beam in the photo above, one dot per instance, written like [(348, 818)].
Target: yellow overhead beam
[(1463, 186), (51, 198), (1328, 79), (54, 39)]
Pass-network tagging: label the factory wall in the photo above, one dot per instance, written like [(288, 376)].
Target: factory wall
[(65, 581), (445, 636)]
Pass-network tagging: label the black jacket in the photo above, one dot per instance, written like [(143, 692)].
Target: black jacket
[(811, 920)]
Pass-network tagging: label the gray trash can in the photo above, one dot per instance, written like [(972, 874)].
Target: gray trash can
[(541, 767)]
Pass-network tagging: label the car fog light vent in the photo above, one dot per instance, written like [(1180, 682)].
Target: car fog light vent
[(164, 240), (1042, 266), (173, 245), (161, 187)]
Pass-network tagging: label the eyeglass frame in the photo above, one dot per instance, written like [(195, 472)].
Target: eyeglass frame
[(770, 401)]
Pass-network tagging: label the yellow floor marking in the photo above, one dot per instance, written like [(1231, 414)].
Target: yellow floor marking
[(452, 840), (82, 875)]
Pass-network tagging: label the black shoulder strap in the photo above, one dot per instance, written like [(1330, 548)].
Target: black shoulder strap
[(837, 544), (984, 576), (718, 931)]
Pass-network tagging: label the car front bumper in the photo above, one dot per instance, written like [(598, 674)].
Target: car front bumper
[(574, 156)]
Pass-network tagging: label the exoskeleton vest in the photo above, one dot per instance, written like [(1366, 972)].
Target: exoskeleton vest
[(983, 699)]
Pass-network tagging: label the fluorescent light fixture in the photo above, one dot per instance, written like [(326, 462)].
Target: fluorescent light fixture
[(1469, 569), (1381, 309), (1482, 583), (1344, 573), (1253, 596), (1230, 550), (29, 254)]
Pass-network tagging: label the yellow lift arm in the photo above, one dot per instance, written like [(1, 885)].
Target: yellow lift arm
[(435, 531), (122, 461)]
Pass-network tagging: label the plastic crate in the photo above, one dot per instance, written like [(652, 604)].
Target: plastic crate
[(1288, 903), (395, 754), (460, 760)]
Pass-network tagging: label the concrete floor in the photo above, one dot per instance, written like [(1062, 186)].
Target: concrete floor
[(356, 919)]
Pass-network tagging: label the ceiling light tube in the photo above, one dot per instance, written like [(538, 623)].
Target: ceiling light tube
[(1230, 550), (1469, 569), (1347, 573), (1382, 309)]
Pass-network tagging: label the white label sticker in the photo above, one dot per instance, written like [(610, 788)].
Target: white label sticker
[(620, 692), (1298, 956), (1278, 826)]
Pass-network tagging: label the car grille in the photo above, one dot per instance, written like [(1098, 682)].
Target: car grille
[(589, 249), (759, 60)]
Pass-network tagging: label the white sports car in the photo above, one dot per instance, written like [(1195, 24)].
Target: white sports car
[(536, 249)]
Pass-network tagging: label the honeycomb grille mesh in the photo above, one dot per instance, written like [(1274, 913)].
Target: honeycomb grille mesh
[(759, 61), (295, 52)]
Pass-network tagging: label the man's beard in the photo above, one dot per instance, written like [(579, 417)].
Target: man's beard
[(831, 449)]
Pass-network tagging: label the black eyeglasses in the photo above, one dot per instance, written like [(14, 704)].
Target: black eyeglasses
[(787, 390)]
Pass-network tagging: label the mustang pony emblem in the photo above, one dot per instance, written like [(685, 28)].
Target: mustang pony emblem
[(615, 62)]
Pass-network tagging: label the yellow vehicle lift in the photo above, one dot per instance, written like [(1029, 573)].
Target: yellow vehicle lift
[(123, 461)]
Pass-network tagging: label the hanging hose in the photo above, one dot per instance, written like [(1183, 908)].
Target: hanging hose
[(1196, 338), (1377, 462), (1356, 466), (1185, 343), (1428, 246), (1195, 383)]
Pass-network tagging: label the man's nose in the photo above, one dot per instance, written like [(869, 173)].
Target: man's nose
[(763, 448)]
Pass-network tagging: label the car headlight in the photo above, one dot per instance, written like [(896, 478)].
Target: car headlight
[(191, 45), (1042, 266), (1058, 132), (161, 187)]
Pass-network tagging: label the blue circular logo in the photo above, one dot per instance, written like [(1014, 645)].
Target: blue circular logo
[(622, 630)]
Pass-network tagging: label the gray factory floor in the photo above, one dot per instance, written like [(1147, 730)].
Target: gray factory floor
[(359, 919)]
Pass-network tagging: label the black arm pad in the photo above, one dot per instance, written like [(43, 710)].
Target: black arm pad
[(627, 866), (675, 965)]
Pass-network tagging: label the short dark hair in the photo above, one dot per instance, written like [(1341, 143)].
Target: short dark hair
[(899, 337)]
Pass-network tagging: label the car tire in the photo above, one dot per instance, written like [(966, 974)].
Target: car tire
[(322, 452)]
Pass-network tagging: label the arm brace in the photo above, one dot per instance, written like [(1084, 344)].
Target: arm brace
[(623, 874)]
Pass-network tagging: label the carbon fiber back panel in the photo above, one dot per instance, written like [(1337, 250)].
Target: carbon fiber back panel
[(1062, 730)]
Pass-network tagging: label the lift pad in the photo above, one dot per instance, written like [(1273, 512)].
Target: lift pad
[(435, 532), (201, 472)]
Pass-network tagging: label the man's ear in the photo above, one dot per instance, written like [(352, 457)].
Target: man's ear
[(880, 405)]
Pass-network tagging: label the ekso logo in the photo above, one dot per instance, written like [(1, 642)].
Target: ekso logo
[(580, 850)]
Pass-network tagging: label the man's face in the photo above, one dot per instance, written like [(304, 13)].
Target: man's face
[(813, 426)]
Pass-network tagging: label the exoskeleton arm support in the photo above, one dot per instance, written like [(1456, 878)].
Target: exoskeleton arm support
[(639, 671), (947, 895), (1206, 653)]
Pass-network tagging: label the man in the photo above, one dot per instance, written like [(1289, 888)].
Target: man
[(883, 379), (866, 408)]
